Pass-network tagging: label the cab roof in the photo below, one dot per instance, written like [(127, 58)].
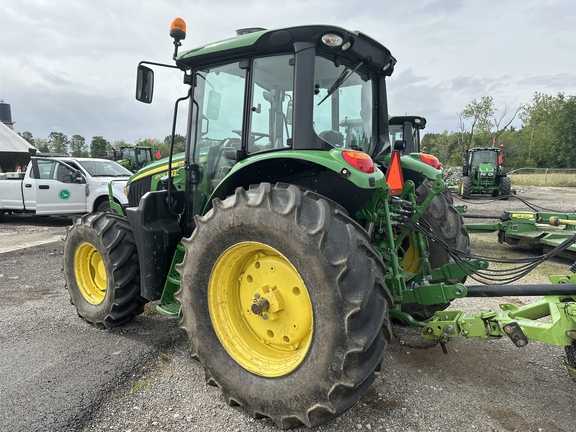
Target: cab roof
[(282, 40)]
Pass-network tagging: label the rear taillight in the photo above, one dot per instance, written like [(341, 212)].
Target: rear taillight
[(359, 160), (430, 160)]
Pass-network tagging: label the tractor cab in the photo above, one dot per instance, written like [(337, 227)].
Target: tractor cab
[(280, 106), (407, 128), (133, 157)]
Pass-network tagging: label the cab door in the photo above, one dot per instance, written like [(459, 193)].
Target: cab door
[(59, 190)]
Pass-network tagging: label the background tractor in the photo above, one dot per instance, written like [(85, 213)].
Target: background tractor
[(482, 172), (134, 157), (291, 230)]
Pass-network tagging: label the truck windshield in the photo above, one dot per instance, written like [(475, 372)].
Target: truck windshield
[(344, 117), (105, 168)]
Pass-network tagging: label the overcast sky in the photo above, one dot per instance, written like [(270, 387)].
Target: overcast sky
[(69, 65)]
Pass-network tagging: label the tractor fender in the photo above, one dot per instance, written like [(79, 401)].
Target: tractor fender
[(324, 172)]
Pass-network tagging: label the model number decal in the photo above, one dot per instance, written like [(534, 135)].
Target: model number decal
[(523, 215)]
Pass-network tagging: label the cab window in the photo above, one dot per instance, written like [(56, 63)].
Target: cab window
[(343, 106), (219, 96)]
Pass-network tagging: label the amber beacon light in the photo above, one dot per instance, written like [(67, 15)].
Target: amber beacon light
[(178, 29)]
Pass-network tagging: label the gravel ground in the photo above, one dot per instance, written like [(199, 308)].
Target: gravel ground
[(485, 386), (479, 385)]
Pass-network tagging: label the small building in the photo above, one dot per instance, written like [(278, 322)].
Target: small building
[(14, 150)]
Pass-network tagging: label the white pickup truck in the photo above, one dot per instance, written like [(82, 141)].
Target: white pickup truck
[(62, 185)]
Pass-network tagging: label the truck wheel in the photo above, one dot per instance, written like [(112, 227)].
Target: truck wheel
[(104, 207), (505, 187), (1, 215), (447, 223), (101, 270), (285, 304), (466, 187)]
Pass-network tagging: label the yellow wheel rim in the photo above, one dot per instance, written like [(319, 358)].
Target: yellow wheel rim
[(90, 273), (411, 258), (260, 309)]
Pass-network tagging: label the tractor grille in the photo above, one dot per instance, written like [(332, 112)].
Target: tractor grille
[(137, 189)]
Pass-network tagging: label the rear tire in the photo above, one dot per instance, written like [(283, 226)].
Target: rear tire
[(316, 352), (505, 187), (102, 271)]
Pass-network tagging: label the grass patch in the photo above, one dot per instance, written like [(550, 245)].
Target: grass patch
[(487, 245), (544, 179), (140, 385), (150, 309)]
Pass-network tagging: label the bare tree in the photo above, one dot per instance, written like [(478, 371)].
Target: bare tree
[(498, 121)]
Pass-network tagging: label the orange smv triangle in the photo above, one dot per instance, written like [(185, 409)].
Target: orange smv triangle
[(394, 176)]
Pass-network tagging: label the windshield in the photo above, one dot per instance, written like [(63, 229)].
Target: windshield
[(485, 157), (344, 117), (102, 168)]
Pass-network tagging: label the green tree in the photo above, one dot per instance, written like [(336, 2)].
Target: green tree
[(179, 143), (565, 128), (27, 136), (99, 147), (479, 114), (540, 129), (78, 146), (58, 143), (445, 146), (42, 145)]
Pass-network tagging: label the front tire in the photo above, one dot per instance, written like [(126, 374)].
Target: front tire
[(102, 271), (285, 304), (466, 187)]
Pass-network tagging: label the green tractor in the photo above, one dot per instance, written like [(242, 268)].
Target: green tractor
[(284, 238), (133, 158), (482, 173)]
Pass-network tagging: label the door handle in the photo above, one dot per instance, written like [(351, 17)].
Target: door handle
[(44, 187), (28, 185)]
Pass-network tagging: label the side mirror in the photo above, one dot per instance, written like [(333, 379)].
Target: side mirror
[(144, 84), (78, 177)]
